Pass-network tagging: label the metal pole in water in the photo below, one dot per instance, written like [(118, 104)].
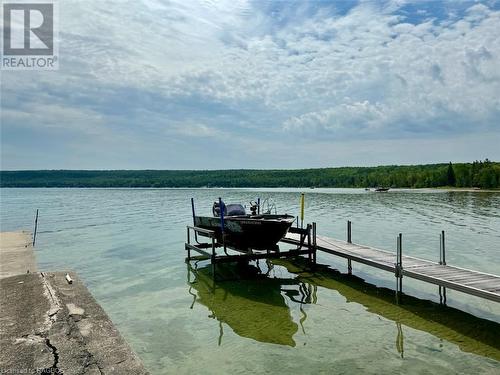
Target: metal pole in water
[(192, 210), (314, 243), (349, 239), (309, 242), (398, 269), (440, 262), (443, 260), (258, 206), (302, 201), (213, 258), (187, 247), (36, 226), (221, 210), (443, 247)]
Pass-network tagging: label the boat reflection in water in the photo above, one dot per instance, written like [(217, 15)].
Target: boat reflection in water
[(256, 307)]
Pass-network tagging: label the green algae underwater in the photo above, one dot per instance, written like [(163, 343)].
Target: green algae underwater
[(253, 305)]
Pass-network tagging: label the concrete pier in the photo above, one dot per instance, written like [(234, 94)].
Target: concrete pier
[(48, 325), (16, 253)]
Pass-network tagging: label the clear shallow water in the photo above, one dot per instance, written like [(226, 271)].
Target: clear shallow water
[(127, 245)]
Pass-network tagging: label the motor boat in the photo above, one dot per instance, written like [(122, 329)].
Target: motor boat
[(243, 231)]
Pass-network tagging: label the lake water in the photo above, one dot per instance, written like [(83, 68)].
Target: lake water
[(127, 245)]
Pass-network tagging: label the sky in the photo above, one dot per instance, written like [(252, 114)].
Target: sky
[(153, 84)]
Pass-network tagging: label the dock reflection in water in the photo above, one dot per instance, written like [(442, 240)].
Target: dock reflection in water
[(251, 303), (470, 333), (257, 306)]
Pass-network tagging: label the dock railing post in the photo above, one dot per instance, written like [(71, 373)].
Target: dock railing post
[(192, 211), (213, 258), (188, 247), (309, 242), (398, 269), (444, 247), (442, 261), (349, 240), (314, 242)]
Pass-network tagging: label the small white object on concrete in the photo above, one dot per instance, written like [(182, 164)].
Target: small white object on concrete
[(69, 279), (74, 310)]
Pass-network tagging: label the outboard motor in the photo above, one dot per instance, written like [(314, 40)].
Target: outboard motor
[(234, 210), (216, 209)]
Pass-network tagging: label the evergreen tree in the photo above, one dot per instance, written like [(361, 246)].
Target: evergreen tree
[(450, 175)]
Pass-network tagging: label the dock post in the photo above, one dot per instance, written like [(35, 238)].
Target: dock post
[(192, 211), (302, 204), (309, 244), (398, 269), (212, 259), (349, 240), (314, 243), (442, 261), (444, 248), (36, 226), (187, 247)]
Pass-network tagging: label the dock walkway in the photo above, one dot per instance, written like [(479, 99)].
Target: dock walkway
[(467, 281)]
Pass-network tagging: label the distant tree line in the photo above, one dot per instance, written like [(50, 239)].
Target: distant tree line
[(481, 174)]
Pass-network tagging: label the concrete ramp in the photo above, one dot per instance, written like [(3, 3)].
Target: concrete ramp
[(16, 253), (52, 325)]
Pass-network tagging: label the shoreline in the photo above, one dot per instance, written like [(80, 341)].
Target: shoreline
[(303, 189)]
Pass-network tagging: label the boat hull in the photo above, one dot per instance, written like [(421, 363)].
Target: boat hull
[(259, 232)]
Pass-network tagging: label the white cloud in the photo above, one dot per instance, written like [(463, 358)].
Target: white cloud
[(196, 130), (226, 69)]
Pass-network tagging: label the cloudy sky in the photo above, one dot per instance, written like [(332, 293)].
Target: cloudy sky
[(256, 84)]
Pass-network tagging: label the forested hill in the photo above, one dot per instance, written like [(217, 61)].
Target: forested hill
[(483, 174)]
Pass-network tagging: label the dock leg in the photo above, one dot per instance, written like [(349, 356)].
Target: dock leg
[(212, 259), (349, 225), (349, 266), (442, 261), (309, 246), (187, 247), (314, 244), (398, 267)]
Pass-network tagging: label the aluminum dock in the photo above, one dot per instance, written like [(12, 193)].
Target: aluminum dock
[(471, 282)]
